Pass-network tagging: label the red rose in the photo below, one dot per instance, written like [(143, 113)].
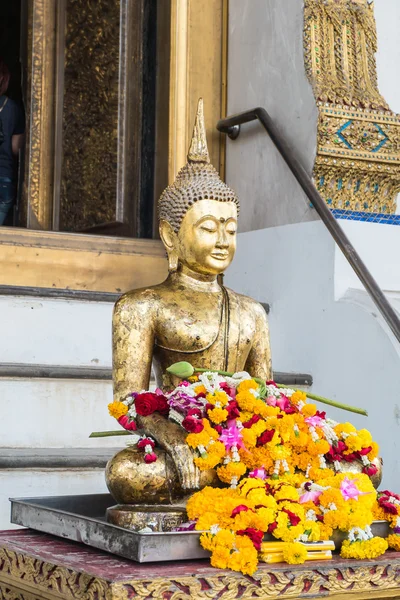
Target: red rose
[(272, 527), (370, 470), (239, 509), (145, 442), (162, 405), (388, 493), (150, 458), (255, 535), (254, 419), (320, 518), (294, 519), (388, 507), (194, 412), (218, 429), (192, 425), (265, 437), (270, 382), (321, 414), (365, 451), (146, 404), (233, 410)]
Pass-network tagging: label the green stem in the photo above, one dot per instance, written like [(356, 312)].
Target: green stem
[(353, 409), (101, 434), (347, 407)]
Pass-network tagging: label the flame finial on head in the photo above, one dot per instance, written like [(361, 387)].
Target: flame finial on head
[(198, 151), (197, 180)]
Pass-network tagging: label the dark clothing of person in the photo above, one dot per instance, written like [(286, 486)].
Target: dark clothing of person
[(12, 123)]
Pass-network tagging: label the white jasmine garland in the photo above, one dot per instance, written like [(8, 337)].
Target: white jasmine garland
[(214, 529), (338, 466)]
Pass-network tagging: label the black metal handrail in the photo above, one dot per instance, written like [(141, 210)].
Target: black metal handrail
[(231, 126)]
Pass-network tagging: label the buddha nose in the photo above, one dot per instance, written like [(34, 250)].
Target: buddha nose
[(222, 241)]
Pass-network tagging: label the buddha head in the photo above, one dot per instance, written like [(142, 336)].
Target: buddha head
[(198, 212)]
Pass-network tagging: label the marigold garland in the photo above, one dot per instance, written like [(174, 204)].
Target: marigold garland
[(284, 466)]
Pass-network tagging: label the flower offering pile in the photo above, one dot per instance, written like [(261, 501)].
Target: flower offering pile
[(285, 469)]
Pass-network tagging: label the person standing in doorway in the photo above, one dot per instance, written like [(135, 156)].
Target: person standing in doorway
[(12, 128)]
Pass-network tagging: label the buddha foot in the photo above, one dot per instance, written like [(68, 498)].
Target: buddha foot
[(132, 481)]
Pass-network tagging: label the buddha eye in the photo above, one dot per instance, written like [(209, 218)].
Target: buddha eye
[(208, 226), (231, 230)]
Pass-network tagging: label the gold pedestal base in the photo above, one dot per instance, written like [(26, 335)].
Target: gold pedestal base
[(157, 518)]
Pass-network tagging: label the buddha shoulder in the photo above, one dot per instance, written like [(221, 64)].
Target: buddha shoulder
[(140, 303), (252, 308)]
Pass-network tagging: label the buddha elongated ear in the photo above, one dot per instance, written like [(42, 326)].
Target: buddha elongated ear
[(170, 241)]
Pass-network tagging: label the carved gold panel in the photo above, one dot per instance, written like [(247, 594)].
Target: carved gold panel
[(90, 114), (357, 166)]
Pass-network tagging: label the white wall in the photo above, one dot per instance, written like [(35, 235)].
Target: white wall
[(266, 68)]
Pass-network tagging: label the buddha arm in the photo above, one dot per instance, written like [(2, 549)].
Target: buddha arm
[(133, 342), (258, 361)]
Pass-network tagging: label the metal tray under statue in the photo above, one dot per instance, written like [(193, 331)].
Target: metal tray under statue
[(82, 519)]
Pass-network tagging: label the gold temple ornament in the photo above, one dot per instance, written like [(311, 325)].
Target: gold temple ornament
[(357, 167)]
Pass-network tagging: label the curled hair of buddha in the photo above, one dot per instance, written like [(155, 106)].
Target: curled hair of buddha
[(197, 180)]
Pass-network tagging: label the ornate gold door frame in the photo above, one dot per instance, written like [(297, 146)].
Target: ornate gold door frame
[(193, 39)]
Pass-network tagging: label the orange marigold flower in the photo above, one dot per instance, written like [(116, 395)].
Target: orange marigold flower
[(117, 409), (247, 384), (218, 415), (309, 410)]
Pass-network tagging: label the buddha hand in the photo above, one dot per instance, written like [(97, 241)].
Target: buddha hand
[(172, 438)]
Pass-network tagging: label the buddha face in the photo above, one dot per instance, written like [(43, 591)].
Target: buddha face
[(206, 240)]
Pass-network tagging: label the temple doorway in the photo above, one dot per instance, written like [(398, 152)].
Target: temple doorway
[(10, 53)]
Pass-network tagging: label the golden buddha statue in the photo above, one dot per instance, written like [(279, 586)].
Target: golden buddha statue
[(190, 316)]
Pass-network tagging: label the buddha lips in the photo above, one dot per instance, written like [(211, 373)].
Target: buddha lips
[(283, 468)]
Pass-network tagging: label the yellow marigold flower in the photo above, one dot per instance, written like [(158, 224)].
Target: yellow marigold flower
[(209, 462), (364, 549), (249, 438), (286, 492), (225, 538), (314, 531), (298, 397), (326, 531), (221, 397), (246, 401), (309, 410), (218, 415), (199, 439), (217, 448), (200, 389), (207, 541), (232, 469), (269, 411), (341, 428), (247, 384), (393, 541), (267, 516), (245, 559), (353, 443), (279, 452), (193, 379), (220, 557), (248, 484), (259, 427), (374, 451), (295, 553), (117, 409)]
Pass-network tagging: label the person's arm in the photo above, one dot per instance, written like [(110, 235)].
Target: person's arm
[(258, 362), (17, 141)]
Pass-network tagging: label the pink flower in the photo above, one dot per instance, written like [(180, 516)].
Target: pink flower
[(349, 489), (309, 497), (231, 436), (283, 402), (258, 473), (314, 421), (127, 424), (271, 401)]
